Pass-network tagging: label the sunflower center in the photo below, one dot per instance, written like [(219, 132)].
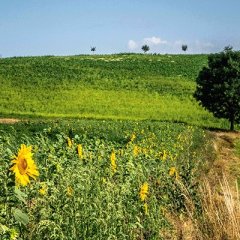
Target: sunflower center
[(22, 166)]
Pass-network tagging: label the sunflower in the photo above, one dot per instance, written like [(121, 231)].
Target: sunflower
[(24, 166), (143, 191), (133, 137), (136, 150), (80, 151), (70, 191), (69, 142), (43, 190), (113, 162)]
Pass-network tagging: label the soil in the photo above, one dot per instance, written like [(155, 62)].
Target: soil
[(9, 120)]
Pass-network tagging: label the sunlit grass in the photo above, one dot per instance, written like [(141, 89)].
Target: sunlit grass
[(124, 86), (105, 104)]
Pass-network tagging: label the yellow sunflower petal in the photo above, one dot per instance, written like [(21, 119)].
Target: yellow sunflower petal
[(24, 166)]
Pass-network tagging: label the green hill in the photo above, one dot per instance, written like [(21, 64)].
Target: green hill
[(121, 86), (100, 178)]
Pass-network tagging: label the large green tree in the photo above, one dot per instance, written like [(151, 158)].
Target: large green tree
[(218, 85)]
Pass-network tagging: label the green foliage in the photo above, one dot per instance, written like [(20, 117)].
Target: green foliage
[(218, 85), (82, 198), (123, 86), (20, 217)]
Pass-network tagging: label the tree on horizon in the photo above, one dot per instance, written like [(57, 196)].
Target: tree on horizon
[(145, 48), (93, 49), (184, 47)]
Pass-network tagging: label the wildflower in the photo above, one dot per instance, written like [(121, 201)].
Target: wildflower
[(144, 191), (136, 150), (13, 234), (164, 155), (173, 172), (80, 151), (69, 191), (43, 190), (133, 137), (113, 162), (69, 142), (24, 166), (145, 207)]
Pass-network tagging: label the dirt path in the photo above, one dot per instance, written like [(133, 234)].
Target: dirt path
[(9, 120), (219, 197), (220, 190)]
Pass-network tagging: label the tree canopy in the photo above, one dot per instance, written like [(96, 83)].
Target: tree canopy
[(184, 47), (93, 49), (145, 48), (218, 85)]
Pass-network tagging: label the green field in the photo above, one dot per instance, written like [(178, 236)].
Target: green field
[(87, 195), (118, 143), (122, 86)]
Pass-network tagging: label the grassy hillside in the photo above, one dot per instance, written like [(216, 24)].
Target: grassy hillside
[(100, 178), (123, 86)]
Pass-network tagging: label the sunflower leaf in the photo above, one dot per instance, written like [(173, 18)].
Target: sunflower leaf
[(20, 216), (10, 153), (20, 195), (3, 229)]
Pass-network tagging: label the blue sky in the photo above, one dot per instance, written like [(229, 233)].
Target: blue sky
[(69, 27)]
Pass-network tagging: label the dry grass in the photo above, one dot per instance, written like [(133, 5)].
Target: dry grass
[(219, 218), (9, 120), (221, 212)]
